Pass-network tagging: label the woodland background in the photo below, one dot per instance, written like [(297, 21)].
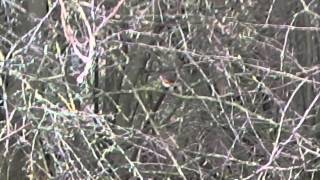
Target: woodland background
[(81, 96)]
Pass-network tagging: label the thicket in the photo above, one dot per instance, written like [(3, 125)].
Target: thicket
[(82, 94)]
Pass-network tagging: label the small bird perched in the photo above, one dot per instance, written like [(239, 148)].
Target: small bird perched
[(168, 79)]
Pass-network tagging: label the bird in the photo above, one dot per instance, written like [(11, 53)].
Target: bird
[(168, 79)]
